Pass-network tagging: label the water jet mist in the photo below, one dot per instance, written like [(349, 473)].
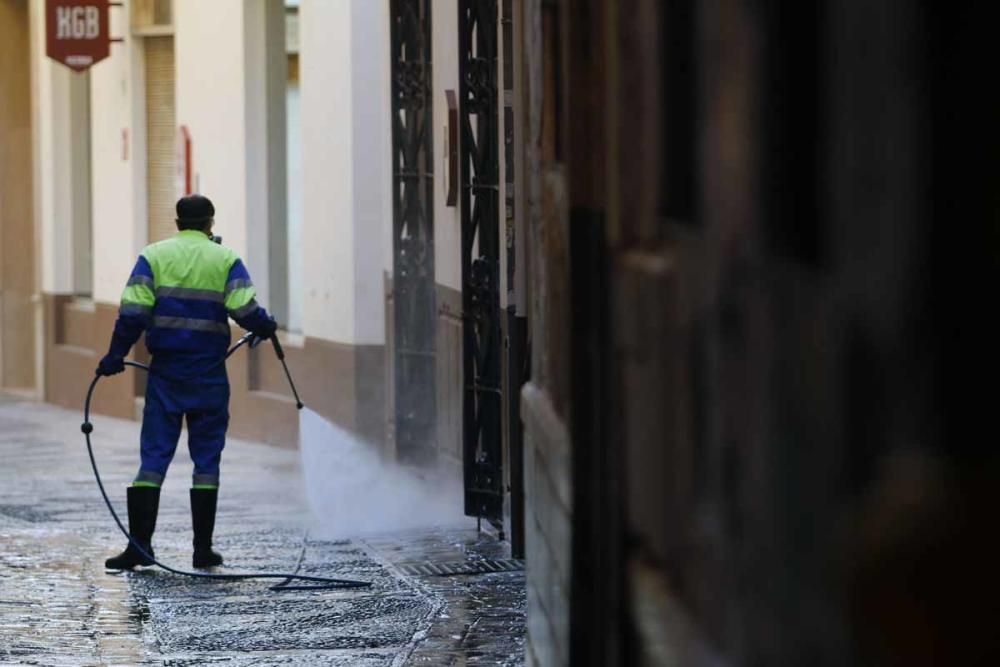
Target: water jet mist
[(353, 492)]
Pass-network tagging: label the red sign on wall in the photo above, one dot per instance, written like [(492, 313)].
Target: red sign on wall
[(76, 32)]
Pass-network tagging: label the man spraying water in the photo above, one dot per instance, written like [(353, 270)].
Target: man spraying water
[(182, 293)]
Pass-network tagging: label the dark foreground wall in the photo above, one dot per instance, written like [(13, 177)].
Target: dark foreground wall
[(764, 247)]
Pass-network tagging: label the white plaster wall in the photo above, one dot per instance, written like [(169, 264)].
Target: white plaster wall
[(253, 71), (505, 295), (447, 221), (386, 75), (372, 168), (328, 178), (209, 57), (296, 284), (118, 178), (387, 204), (52, 163), (264, 74)]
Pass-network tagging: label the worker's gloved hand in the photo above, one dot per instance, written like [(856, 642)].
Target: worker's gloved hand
[(265, 330), (111, 364)]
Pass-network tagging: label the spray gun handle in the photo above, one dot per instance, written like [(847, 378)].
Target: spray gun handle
[(277, 347)]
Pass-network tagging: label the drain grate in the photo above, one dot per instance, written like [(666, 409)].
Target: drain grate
[(429, 569)]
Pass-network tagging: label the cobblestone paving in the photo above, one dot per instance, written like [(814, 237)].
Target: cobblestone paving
[(59, 607)]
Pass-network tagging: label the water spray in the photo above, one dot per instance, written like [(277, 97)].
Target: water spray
[(316, 583)]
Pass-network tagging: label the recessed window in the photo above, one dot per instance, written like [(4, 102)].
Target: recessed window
[(152, 17)]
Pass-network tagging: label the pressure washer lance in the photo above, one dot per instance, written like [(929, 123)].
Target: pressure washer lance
[(318, 583), (281, 357)]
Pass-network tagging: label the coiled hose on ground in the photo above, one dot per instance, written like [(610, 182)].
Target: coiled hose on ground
[(317, 583)]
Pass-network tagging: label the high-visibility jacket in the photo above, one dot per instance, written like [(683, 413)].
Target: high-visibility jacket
[(182, 292)]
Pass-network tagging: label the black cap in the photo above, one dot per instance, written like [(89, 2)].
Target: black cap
[(195, 208)]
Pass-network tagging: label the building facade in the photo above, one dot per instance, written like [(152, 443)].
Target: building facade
[(360, 156), (328, 136), (332, 138), (283, 114), (250, 103)]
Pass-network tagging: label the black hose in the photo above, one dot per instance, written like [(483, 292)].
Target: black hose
[(321, 583)]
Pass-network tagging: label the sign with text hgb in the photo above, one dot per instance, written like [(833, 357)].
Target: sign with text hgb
[(76, 32)]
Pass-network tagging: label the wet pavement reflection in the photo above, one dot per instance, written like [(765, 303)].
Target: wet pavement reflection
[(59, 607)]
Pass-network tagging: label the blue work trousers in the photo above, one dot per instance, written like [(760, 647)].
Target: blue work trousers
[(205, 404)]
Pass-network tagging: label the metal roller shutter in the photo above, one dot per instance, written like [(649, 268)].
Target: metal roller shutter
[(160, 137)]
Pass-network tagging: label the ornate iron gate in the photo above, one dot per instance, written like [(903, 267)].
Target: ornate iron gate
[(413, 230), (518, 362), (480, 192)]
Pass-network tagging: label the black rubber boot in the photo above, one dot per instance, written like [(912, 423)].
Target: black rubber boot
[(203, 504), (143, 505)]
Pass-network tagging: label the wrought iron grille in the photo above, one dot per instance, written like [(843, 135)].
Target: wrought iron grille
[(480, 202), (413, 230)]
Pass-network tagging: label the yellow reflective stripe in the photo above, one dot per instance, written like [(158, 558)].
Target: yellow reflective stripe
[(238, 298), (189, 293), (237, 284), (148, 477), (192, 324), (204, 480), (134, 310), (139, 294), (244, 310)]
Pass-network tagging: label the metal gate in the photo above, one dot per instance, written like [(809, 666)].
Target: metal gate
[(480, 193), (413, 231)]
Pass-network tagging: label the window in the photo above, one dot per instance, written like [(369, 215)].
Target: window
[(152, 17)]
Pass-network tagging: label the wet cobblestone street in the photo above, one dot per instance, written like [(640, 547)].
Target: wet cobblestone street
[(59, 607)]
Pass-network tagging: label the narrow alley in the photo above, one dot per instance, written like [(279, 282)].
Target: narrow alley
[(622, 333)]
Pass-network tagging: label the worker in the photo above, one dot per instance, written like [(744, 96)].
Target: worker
[(181, 293)]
